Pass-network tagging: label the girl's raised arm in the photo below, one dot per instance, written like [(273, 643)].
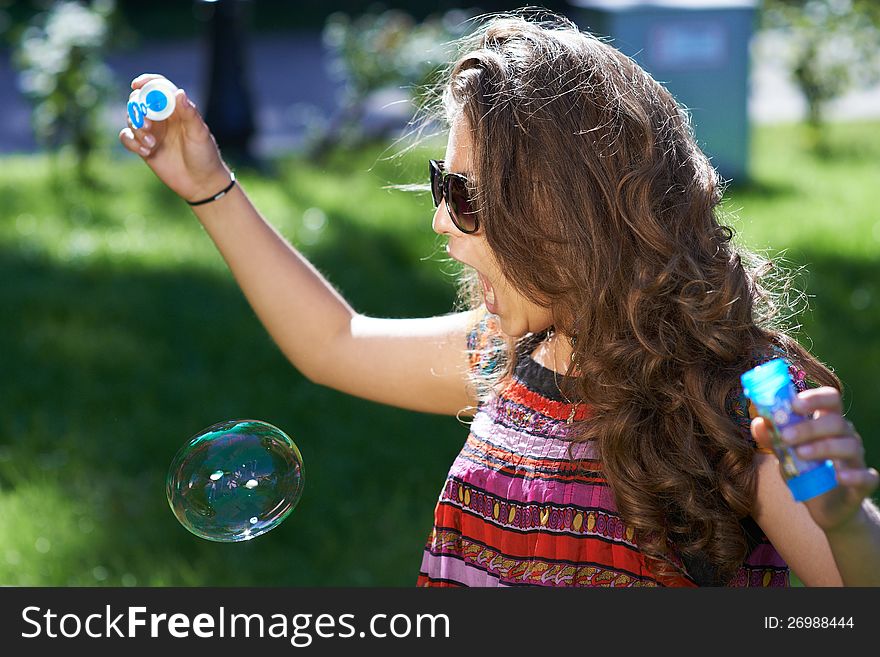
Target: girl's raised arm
[(418, 364)]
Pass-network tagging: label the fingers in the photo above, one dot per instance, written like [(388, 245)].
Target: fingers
[(128, 139), (193, 125), (827, 437), (185, 120), (182, 102), (818, 399), (151, 133), (144, 140), (183, 106), (761, 433), (866, 479), (848, 449), (143, 78), (831, 424)]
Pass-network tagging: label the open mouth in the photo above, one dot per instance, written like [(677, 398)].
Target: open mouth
[(488, 290)]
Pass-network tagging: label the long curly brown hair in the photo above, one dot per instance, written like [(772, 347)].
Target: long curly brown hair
[(598, 204)]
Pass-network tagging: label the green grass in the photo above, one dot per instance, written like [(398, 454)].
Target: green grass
[(124, 334)]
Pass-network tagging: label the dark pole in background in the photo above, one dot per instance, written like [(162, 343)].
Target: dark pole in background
[(229, 110)]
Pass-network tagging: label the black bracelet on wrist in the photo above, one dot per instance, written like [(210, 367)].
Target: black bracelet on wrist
[(218, 195)]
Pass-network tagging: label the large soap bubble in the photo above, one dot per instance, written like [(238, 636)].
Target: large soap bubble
[(235, 480)]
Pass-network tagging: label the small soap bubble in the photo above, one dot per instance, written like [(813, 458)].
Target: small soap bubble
[(235, 480), (314, 219)]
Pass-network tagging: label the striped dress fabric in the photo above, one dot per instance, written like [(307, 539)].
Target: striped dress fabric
[(522, 505)]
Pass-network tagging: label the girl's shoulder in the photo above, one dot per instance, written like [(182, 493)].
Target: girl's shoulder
[(487, 353), (486, 345), (490, 351)]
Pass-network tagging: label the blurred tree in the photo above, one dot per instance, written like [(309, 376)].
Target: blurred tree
[(834, 45), (229, 108), (378, 50), (63, 75)]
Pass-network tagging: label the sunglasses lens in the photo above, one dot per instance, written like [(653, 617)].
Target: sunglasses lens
[(436, 183), (454, 188), (460, 207)]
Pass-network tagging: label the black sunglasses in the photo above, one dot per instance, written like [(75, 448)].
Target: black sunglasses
[(454, 188)]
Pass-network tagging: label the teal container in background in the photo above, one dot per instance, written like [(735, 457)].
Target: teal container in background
[(699, 49)]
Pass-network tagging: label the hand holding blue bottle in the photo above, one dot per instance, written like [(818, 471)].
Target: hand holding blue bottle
[(826, 434)]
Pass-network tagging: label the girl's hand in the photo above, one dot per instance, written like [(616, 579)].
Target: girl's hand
[(180, 150), (828, 435)]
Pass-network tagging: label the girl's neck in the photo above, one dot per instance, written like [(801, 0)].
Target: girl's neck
[(555, 353)]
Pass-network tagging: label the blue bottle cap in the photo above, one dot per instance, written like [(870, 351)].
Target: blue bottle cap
[(760, 384), (813, 483), (156, 101)]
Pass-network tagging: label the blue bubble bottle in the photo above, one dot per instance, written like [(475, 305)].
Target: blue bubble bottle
[(772, 391)]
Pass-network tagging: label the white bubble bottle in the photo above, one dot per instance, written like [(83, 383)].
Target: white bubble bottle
[(155, 101)]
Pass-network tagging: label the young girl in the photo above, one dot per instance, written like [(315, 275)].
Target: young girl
[(610, 321)]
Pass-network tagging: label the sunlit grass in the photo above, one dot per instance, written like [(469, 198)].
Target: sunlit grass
[(802, 202)]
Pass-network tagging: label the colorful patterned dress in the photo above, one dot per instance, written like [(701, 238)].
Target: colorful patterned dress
[(518, 508)]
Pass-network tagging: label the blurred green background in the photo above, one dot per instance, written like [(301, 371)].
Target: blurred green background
[(124, 334)]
